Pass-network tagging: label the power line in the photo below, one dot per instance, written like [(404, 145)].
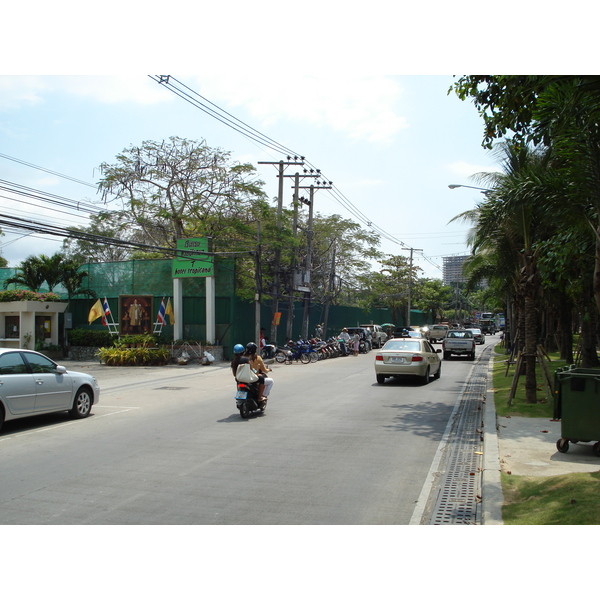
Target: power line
[(22, 162), (13, 222), (233, 122)]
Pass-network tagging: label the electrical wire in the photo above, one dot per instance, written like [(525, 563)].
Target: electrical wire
[(22, 162), (253, 134)]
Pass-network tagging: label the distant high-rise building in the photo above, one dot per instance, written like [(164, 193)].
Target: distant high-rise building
[(453, 269)]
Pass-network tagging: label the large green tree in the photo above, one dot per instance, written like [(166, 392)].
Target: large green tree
[(179, 188)]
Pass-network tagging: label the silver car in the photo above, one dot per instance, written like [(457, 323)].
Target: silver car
[(478, 335), (32, 384), (408, 356)]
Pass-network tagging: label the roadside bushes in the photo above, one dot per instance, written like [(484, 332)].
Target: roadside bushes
[(128, 357), (90, 338), (126, 350)]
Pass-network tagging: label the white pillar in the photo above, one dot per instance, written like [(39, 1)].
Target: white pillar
[(178, 309), (210, 310)]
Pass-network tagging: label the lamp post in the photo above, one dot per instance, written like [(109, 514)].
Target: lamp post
[(453, 186)]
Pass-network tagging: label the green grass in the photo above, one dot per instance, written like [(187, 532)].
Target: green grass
[(502, 384), (570, 499), (559, 500)]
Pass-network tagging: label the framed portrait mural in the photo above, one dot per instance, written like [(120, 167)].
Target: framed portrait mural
[(135, 314)]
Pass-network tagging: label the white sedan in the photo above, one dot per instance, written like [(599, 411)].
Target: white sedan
[(32, 384), (408, 356)]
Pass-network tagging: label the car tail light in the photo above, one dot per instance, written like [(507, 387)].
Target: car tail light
[(417, 358), (379, 357)]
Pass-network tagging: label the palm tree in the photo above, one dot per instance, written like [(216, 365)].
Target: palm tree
[(72, 278), (507, 226), (51, 268), (28, 274)]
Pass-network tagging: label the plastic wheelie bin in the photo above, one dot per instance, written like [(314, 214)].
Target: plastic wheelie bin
[(577, 405)]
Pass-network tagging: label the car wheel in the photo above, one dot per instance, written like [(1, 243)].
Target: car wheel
[(426, 378), (446, 355), (438, 373), (380, 378), (82, 405), (1, 417)]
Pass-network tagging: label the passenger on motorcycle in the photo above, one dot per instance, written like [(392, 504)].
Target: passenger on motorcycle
[(239, 358), (256, 362)]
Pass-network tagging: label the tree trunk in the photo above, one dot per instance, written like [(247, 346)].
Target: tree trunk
[(529, 353), (589, 356)]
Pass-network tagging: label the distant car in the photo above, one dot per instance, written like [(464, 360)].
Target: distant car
[(409, 333), (437, 333), (32, 384), (478, 335), (378, 335), (415, 357)]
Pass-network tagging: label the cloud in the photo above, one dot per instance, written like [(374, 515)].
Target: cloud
[(108, 89), (362, 108)]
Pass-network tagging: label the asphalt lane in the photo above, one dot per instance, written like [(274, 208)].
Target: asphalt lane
[(167, 446)]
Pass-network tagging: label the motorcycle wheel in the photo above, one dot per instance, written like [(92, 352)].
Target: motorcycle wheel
[(280, 356), (314, 357), (244, 410), (304, 359)]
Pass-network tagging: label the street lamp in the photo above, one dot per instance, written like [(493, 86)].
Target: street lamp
[(453, 186)]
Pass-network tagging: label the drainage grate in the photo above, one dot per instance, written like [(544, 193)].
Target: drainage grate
[(459, 491)]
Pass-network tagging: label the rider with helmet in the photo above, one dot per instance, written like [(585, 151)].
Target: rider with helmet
[(240, 358), (258, 365)]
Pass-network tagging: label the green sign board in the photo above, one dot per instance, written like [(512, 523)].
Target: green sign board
[(190, 262)]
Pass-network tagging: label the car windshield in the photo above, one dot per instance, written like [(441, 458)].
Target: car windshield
[(406, 345), (460, 334)]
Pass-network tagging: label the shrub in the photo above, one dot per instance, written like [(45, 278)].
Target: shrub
[(127, 357), (18, 295), (90, 338)]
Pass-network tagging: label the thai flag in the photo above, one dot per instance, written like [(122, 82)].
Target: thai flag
[(106, 312), (161, 313)]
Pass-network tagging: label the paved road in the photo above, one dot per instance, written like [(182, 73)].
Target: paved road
[(167, 446)]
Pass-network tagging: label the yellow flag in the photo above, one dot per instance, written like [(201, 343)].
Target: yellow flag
[(95, 312), (169, 312)]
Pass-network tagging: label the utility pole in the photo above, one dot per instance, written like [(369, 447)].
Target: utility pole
[(410, 281), (309, 236), (276, 292), (292, 275)]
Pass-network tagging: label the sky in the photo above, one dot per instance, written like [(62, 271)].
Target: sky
[(390, 144)]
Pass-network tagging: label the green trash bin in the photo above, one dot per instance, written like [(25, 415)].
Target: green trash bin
[(577, 405)]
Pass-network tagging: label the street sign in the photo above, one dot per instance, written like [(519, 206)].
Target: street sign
[(188, 263)]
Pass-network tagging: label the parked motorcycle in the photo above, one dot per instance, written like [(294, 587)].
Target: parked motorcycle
[(246, 399)]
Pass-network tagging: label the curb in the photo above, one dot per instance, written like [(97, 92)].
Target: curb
[(491, 487)]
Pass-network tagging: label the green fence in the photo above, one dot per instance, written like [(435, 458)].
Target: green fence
[(234, 317)]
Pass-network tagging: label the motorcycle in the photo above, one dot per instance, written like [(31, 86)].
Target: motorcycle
[(268, 351), (246, 399)]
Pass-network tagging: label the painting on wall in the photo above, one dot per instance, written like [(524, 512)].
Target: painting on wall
[(135, 314)]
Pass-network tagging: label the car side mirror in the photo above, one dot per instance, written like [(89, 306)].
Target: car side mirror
[(439, 351), (61, 370)]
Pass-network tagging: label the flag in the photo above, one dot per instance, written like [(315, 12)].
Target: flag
[(106, 312), (169, 312), (161, 313), (95, 311)]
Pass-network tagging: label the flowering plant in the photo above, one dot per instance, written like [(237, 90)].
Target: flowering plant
[(18, 295)]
